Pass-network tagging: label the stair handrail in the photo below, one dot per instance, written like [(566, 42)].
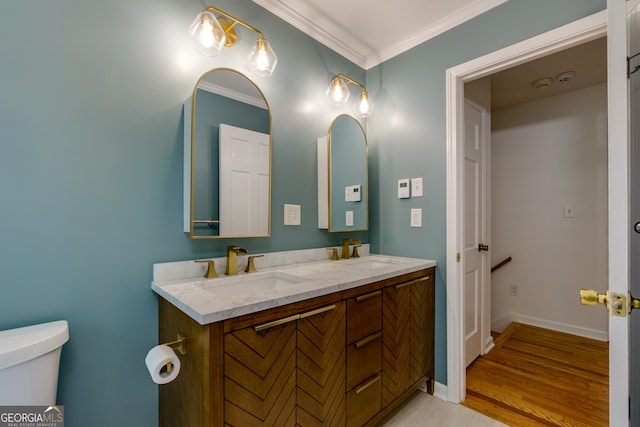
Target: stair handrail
[(501, 264)]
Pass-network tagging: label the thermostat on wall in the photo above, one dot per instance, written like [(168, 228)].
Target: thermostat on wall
[(403, 189), (352, 193)]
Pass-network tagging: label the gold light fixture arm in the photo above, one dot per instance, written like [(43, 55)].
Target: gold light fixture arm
[(235, 21), (350, 80)]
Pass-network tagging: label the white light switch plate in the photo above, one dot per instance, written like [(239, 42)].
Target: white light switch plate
[(416, 217), (349, 219), (416, 187), (291, 214)]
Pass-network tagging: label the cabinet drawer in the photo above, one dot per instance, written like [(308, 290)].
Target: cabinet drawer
[(364, 315), (364, 359), (364, 401)]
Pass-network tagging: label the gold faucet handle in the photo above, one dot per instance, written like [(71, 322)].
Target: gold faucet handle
[(211, 268), (334, 254), (355, 253), (251, 268)]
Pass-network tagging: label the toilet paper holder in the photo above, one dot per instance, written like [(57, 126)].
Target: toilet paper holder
[(179, 345)]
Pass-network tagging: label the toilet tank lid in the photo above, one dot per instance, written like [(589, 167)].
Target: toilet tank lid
[(23, 344)]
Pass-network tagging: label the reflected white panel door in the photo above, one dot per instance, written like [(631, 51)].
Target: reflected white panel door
[(475, 231), (244, 182)]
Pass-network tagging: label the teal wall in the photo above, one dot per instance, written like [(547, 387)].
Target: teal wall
[(407, 134), (91, 129), (91, 98)]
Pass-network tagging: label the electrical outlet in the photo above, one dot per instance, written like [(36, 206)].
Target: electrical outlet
[(292, 214), (569, 212), (514, 291)]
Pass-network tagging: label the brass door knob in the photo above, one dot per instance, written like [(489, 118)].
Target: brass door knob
[(591, 297)]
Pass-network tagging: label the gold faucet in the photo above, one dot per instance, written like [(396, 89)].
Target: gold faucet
[(232, 259), (345, 246)]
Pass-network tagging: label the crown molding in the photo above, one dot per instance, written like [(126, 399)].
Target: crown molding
[(459, 17), (370, 59), (309, 28)]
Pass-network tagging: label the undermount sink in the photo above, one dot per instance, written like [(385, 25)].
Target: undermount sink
[(250, 283)]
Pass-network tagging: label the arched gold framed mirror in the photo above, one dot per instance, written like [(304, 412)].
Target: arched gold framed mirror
[(227, 158), (343, 177)]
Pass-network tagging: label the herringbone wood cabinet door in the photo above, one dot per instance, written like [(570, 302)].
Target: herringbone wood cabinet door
[(321, 372), (407, 327), (260, 377), (395, 342)]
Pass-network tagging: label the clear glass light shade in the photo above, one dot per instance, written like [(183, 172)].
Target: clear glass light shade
[(337, 92), (262, 59), (207, 33), (364, 105)]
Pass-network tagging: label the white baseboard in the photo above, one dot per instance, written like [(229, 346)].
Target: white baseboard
[(440, 391), (500, 324)]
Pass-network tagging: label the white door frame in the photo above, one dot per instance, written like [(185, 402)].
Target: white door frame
[(578, 32)]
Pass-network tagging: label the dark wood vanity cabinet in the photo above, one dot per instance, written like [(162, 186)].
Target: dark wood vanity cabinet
[(287, 371), (364, 357), (344, 359), (408, 336)]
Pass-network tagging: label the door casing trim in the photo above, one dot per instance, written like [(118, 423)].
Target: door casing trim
[(573, 34)]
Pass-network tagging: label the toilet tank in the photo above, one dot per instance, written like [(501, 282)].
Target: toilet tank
[(29, 361)]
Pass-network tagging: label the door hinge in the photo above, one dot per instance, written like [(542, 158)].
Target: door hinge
[(458, 257)]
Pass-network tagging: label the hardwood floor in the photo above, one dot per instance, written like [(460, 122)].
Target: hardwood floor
[(536, 377)]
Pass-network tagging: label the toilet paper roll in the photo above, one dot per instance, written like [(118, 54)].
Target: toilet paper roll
[(163, 364)]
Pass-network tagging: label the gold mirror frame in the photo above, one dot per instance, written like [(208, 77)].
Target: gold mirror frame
[(191, 157), (365, 193)]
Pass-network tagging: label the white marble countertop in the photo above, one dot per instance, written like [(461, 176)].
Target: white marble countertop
[(212, 300)]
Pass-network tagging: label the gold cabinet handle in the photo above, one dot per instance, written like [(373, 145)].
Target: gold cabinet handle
[(317, 311), (367, 296), (276, 323), (368, 384), (366, 340), (413, 282)]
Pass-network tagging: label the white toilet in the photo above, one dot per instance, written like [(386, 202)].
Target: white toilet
[(29, 360)]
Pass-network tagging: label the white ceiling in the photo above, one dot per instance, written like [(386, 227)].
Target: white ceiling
[(368, 32)]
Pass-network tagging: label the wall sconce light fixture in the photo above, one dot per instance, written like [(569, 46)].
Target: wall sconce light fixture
[(211, 33), (338, 94)]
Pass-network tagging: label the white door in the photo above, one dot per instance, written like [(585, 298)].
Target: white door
[(475, 231), (244, 182), (634, 45), (619, 232)]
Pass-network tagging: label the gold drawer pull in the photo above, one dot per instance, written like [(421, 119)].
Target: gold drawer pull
[(277, 322), (404, 285), (366, 340), (368, 384), (367, 296), (317, 311), (413, 282)]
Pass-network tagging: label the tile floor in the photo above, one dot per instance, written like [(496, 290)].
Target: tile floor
[(422, 409)]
